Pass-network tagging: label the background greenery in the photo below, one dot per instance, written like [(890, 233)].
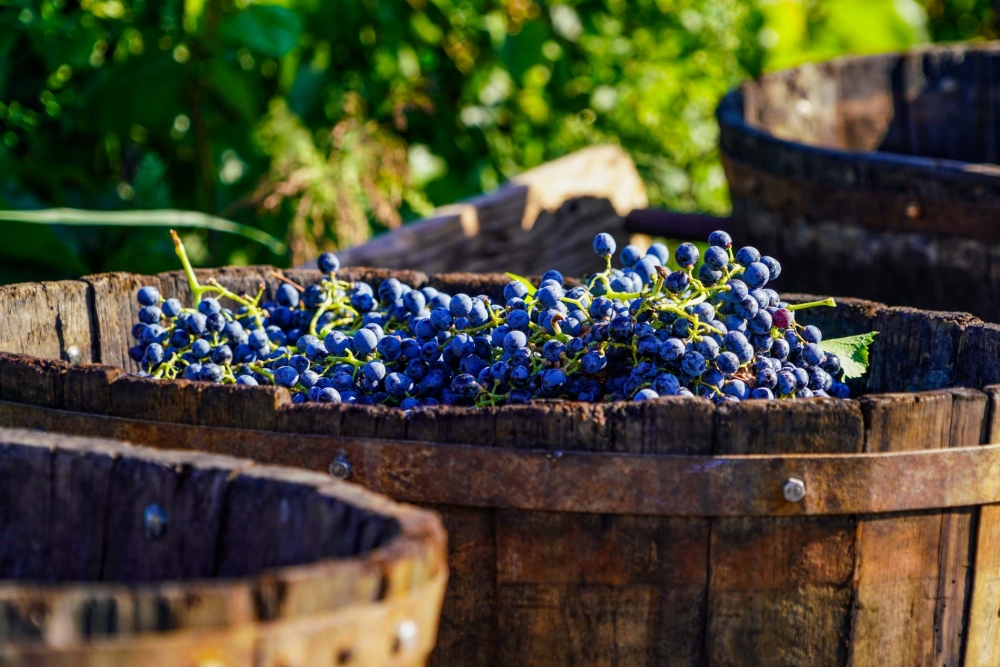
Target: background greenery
[(321, 122)]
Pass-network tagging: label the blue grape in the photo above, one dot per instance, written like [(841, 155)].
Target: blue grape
[(514, 341), (365, 342), (756, 275), (604, 245), (328, 262), (747, 256), (660, 252), (813, 354), (773, 267), (630, 254), (693, 364), (148, 296), (686, 254), (677, 282), (171, 308), (286, 376), (645, 395), (419, 348), (621, 329), (720, 239)]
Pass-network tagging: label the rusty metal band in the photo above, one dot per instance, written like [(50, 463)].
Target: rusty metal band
[(472, 476)]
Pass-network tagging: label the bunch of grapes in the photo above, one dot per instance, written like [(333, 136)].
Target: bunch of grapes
[(635, 333)]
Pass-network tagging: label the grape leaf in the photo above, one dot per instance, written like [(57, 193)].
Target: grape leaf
[(853, 353), (524, 281)]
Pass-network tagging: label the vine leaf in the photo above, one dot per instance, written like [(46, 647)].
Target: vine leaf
[(852, 351)]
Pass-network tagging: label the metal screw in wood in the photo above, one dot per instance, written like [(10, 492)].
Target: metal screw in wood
[(340, 467), (949, 86), (154, 521), (74, 355), (794, 490), (406, 635)]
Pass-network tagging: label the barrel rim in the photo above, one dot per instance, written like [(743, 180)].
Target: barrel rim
[(420, 532), (730, 114), (280, 398)]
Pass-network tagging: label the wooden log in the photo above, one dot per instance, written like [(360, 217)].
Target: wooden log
[(530, 221)]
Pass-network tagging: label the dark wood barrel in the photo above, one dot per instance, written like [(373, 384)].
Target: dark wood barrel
[(877, 175), (119, 556), (861, 532)]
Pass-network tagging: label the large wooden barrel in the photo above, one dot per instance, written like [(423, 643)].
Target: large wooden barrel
[(861, 532), (878, 173), (120, 556)]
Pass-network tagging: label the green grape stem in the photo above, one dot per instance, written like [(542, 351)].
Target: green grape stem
[(813, 304)]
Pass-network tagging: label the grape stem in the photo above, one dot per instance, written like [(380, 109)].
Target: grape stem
[(813, 304), (286, 280), (196, 289)]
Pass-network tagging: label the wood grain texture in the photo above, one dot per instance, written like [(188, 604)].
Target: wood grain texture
[(45, 319), (983, 634), (898, 568), (31, 380), (870, 175), (71, 522), (912, 572), (914, 350), (958, 549), (979, 356), (780, 588), (114, 311), (601, 589), (470, 631)]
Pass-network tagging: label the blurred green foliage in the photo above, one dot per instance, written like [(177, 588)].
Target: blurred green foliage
[(798, 31), (321, 122)]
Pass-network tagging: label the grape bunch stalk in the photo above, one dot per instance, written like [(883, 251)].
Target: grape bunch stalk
[(636, 333)]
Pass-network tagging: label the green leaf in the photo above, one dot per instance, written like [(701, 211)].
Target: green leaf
[(267, 29), (152, 218), (524, 281), (853, 352)]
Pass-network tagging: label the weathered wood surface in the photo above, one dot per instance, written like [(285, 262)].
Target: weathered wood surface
[(542, 587), (81, 561), (983, 644), (527, 224), (874, 176)]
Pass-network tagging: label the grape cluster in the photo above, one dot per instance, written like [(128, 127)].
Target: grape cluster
[(634, 333)]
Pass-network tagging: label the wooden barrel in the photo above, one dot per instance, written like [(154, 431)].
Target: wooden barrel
[(120, 556), (878, 172), (861, 532)]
